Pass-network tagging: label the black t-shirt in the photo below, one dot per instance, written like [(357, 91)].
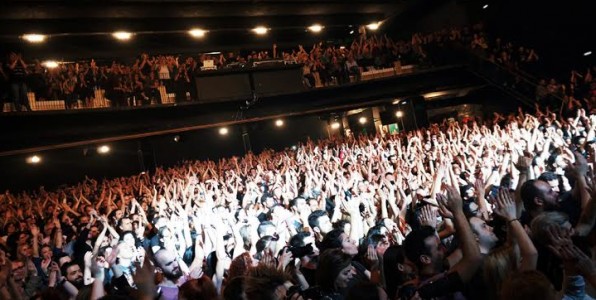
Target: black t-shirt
[(571, 207), (17, 74), (146, 69)]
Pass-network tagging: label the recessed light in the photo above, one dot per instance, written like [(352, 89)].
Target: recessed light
[(374, 26), (103, 149), (260, 30), (315, 28), (122, 35), (34, 38), (50, 64), (33, 159), (197, 33)]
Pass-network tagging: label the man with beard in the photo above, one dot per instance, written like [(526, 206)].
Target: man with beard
[(423, 248), (538, 196), (167, 261), (72, 282), (72, 272)]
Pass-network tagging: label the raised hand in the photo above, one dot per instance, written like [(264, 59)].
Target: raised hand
[(371, 258), (506, 207), (443, 210), (453, 201), (284, 259), (34, 231), (523, 163), (428, 216), (579, 168), (562, 246), (268, 259)]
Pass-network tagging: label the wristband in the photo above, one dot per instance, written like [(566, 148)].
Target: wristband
[(513, 220)]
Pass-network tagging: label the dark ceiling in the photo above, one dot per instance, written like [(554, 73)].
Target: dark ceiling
[(81, 28)]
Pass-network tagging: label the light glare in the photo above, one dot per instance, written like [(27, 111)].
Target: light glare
[(279, 123), (588, 53), (315, 28), (196, 32), (122, 35), (485, 6), (34, 38), (104, 149), (373, 26), (33, 159), (260, 30), (50, 64), (362, 120), (399, 113), (335, 125), (223, 131)]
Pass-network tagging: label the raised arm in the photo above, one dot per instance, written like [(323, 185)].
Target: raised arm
[(471, 260), (506, 209)]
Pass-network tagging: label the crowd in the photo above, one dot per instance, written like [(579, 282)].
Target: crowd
[(323, 64), (497, 209), (568, 92), (138, 83)]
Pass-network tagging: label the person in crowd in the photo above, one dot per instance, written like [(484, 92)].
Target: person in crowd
[(17, 72), (383, 212)]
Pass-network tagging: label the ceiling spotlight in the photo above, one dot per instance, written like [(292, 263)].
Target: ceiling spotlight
[(33, 159), (399, 113), (122, 35), (260, 30), (50, 64), (223, 131), (485, 6), (374, 26), (351, 31), (315, 28), (279, 123), (197, 33), (103, 149), (335, 125), (396, 101), (34, 38), (588, 53), (176, 138), (362, 120)]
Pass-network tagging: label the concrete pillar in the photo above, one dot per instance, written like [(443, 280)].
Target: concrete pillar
[(377, 119)]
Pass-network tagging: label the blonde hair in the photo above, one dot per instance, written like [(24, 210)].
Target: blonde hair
[(498, 265), (542, 222)]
